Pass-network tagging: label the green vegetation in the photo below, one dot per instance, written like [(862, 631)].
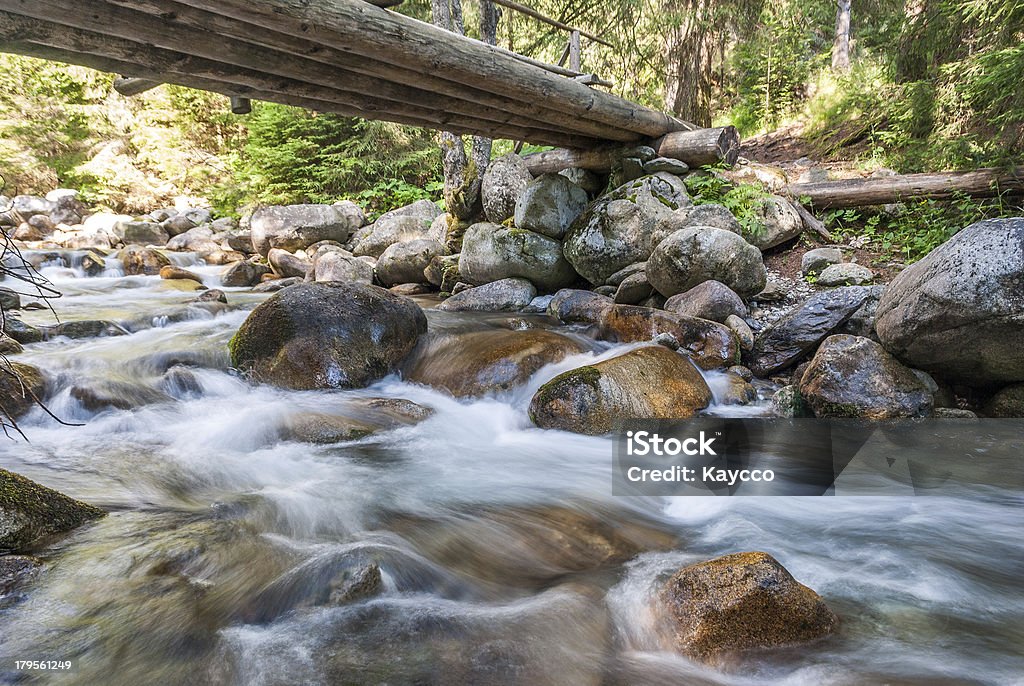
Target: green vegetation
[(742, 199)]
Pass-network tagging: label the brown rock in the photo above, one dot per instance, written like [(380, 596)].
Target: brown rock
[(136, 261), (171, 271), (711, 345), (18, 384)]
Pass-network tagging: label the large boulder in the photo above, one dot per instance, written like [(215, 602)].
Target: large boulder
[(646, 383), (29, 206), (342, 266), (242, 274), (855, 377), (788, 340), (708, 300), (30, 512), (403, 224), (690, 256), (139, 261), (504, 181), (198, 239), (505, 295), (1007, 402), (491, 252), (294, 227), (711, 345), (959, 312), (327, 335), (287, 265), (549, 205), (778, 222), (480, 362), (573, 306), (740, 602), (405, 262), (708, 214), (20, 386), (617, 230), (140, 233)]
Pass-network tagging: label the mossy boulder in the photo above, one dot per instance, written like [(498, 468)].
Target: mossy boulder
[(855, 377), (711, 345), (479, 362), (327, 335), (741, 602), (30, 512), (20, 384), (491, 252), (646, 383)]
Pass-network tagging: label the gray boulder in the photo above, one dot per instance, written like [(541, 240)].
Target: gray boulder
[(327, 335), (779, 220), (177, 224), (288, 265), (30, 205), (140, 233), (504, 181), (491, 252), (709, 214), (405, 262), (845, 274), (1007, 402), (708, 300), (341, 266), (504, 295), (855, 377), (294, 227), (617, 230), (634, 289), (404, 224), (549, 205), (813, 261), (789, 339), (959, 312), (693, 255), (243, 274)]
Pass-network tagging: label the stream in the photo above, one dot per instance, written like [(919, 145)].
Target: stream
[(226, 541)]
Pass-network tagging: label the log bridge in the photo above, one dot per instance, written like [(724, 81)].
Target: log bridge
[(358, 59)]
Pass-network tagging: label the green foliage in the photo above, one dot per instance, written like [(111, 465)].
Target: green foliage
[(742, 199)]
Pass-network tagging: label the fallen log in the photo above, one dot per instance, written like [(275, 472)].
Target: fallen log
[(980, 183), (695, 148)]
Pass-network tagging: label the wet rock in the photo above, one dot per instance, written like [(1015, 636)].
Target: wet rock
[(17, 570), (356, 420), (958, 312), (118, 395), (742, 330), (735, 391), (171, 271), (406, 262), (813, 261), (953, 413), (337, 266), (21, 332), (709, 344), (645, 383), (693, 255), (617, 229), (505, 295), (274, 285), (845, 274), (481, 362), (856, 377), (222, 257), (180, 383), (862, 322), (30, 512), (9, 346), (288, 265), (574, 306), (505, 180), (710, 214), (789, 339), (89, 328), (199, 240), (742, 372), (243, 274), (708, 300), (404, 224), (411, 289), (633, 289), (779, 223), (1007, 402), (212, 295), (787, 402), (184, 285), (327, 335), (93, 263), (138, 261), (491, 252), (20, 386), (140, 233), (9, 300), (549, 205), (740, 602), (294, 227)]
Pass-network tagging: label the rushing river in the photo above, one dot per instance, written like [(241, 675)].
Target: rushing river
[(499, 545)]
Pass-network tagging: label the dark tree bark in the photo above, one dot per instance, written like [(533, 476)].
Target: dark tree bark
[(841, 44), (689, 51), (464, 173)]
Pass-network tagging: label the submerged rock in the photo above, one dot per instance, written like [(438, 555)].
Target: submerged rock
[(480, 362), (646, 383), (959, 312), (327, 335), (504, 295), (355, 419), (16, 570), (118, 395), (855, 377), (740, 602), (30, 512)]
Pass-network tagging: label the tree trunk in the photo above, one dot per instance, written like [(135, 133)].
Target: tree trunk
[(463, 175), (841, 45), (689, 49)]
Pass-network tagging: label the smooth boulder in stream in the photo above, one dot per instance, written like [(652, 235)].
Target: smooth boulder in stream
[(327, 335), (20, 385), (30, 512)]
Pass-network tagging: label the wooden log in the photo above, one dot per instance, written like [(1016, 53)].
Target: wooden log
[(102, 63), (980, 183), (386, 98), (359, 28), (695, 148), (132, 86), (301, 46)]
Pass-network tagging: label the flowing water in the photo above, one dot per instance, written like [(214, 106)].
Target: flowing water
[(503, 556)]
